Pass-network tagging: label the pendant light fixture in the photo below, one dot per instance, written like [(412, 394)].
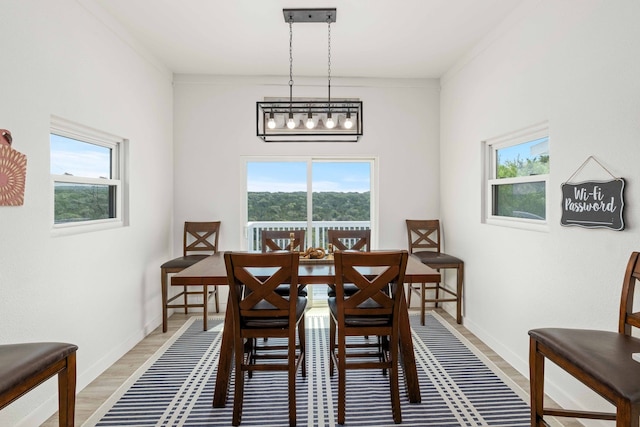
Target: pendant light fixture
[(309, 119)]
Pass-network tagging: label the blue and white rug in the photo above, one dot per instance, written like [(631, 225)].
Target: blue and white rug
[(459, 386)]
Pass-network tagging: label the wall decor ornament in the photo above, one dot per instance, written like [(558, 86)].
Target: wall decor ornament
[(593, 204), (13, 172)]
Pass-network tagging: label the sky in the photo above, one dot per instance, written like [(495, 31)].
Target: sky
[(292, 176), (79, 158), (527, 150)]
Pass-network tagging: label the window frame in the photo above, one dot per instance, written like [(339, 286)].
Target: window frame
[(490, 148), (119, 173), (309, 160)]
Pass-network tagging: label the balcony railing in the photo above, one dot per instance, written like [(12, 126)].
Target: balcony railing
[(316, 238)]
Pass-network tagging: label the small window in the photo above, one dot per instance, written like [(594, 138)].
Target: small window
[(87, 173), (517, 171)]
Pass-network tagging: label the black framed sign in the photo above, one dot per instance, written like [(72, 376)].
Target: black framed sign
[(593, 204)]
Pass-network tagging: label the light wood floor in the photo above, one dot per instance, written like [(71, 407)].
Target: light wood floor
[(92, 396)]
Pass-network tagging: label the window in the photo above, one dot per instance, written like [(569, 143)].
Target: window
[(314, 194), (517, 172), (87, 170)]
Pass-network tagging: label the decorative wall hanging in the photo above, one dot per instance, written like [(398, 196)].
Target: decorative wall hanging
[(593, 204), (13, 172)]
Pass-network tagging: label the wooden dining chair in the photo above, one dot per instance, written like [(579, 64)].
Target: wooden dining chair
[(258, 312), (425, 244), (353, 240), (601, 360), (372, 310), (24, 366), (348, 240), (281, 240), (200, 240)]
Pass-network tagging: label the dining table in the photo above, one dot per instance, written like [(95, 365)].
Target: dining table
[(211, 271)]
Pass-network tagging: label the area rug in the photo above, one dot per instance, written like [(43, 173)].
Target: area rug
[(459, 386)]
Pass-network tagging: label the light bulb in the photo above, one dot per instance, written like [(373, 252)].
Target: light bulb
[(348, 124), (330, 123), (271, 123), (310, 123), (290, 122)]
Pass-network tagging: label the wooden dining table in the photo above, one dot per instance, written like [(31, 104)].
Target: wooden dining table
[(211, 271)]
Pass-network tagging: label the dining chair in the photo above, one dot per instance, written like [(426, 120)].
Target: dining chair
[(24, 366), (258, 312), (425, 243), (352, 240), (284, 240), (605, 361), (280, 240), (200, 239), (372, 310)]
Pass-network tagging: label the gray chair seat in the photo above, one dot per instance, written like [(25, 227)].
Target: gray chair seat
[(184, 261), (435, 258)]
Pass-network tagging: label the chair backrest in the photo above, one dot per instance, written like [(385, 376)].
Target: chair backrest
[(280, 240), (354, 240), (423, 235), (379, 278), (253, 278), (628, 318), (200, 238)]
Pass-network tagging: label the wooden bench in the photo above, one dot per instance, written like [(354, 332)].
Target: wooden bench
[(25, 366)]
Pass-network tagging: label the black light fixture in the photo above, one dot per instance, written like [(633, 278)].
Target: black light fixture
[(309, 119)]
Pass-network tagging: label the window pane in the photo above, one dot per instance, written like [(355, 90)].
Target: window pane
[(277, 191), (524, 200), (341, 197), (83, 202), (77, 158), (529, 158)]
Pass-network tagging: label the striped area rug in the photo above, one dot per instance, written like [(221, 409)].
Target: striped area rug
[(459, 386)]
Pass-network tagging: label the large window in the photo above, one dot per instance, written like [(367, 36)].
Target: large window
[(517, 171), (311, 194), (314, 194), (87, 170)]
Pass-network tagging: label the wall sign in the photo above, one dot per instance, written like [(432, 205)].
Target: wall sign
[(593, 204)]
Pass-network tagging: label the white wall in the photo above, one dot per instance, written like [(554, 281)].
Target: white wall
[(98, 290), (574, 63), (215, 125)]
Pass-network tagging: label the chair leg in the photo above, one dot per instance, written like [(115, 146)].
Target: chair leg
[(165, 291), (342, 378), (205, 307), (423, 302), (460, 278), (393, 380), (292, 378), (536, 384), (186, 302), (302, 338), (332, 344), (627, 415), (67, 393), (217, 299), (409, 292), (238, 394)]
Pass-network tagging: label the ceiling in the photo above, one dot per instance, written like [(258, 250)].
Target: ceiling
[(370, 38)]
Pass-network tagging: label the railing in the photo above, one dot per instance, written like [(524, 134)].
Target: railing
[(317, 238)]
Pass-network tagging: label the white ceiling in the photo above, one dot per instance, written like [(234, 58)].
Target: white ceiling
[(370, 38)]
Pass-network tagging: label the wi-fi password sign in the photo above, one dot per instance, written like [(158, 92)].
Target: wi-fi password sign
[(593, 204)]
